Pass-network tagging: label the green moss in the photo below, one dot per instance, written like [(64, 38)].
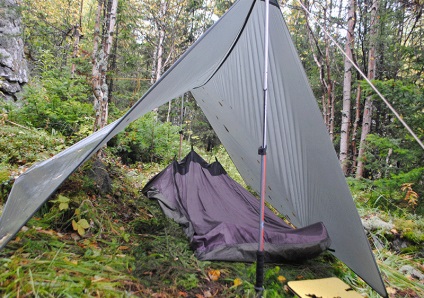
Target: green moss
[(411, 249), (414, 236), (4, 174)]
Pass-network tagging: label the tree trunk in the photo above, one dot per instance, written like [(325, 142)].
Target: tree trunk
[(332, 110), (168, 115), (355, 126), (158, 56), (317, 55), (329, 85), (347, 89), (113, 69), (77, 38), (100, 60), (160, 50), (323, 62), (367, 116)]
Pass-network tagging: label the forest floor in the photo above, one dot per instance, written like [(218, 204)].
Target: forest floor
[(92, 240)]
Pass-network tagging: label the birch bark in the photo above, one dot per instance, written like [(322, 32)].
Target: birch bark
[(347, 89), (101, 51)]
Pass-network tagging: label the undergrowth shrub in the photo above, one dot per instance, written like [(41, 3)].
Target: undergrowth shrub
[(400, 193), (55, 102), (20, 146), (164, 258), (147, 140), (19, 149)]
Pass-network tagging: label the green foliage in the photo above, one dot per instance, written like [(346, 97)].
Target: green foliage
[(21, 146), (62, 201), (389, 194), (80, 226), (50, 259), (132, 248), (393, 157), (411, 228), (5, 181), (407, 99), (147, 140), (165, 258), (4, 174), (65, 268), (394, 152), (55, 103)]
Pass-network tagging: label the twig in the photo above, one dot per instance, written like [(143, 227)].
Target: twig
[(21, 126)]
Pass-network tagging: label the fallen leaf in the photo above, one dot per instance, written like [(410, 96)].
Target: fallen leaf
[(391, 291), (214, 274), (48, 232), (281, 279), (237, 282), (84, 223), (75, 236)]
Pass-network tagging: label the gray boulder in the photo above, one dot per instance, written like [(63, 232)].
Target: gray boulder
[(13, 65)]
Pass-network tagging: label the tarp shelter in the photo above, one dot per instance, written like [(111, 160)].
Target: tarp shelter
[(223, 71), (220, 217)]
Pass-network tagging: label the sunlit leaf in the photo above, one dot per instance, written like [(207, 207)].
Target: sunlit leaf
[(84, 223), (237, 282), (63, 206), (81, 231), (214, 274), (281, 279), (74, 225)]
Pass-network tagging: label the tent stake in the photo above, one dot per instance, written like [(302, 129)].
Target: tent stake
[(262, 152)]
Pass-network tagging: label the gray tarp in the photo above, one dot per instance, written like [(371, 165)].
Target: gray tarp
[(221, 218), (223, 70)]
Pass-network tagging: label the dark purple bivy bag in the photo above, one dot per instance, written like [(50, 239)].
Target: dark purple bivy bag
[(221, 217)]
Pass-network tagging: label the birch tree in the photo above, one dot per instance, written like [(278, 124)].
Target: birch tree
[(102, 45), (347, 88), (77, 35)]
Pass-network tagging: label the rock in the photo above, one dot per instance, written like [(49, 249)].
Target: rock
[(398, 244), (13, 66), (374, 223), (100, 175), (409, 270)]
